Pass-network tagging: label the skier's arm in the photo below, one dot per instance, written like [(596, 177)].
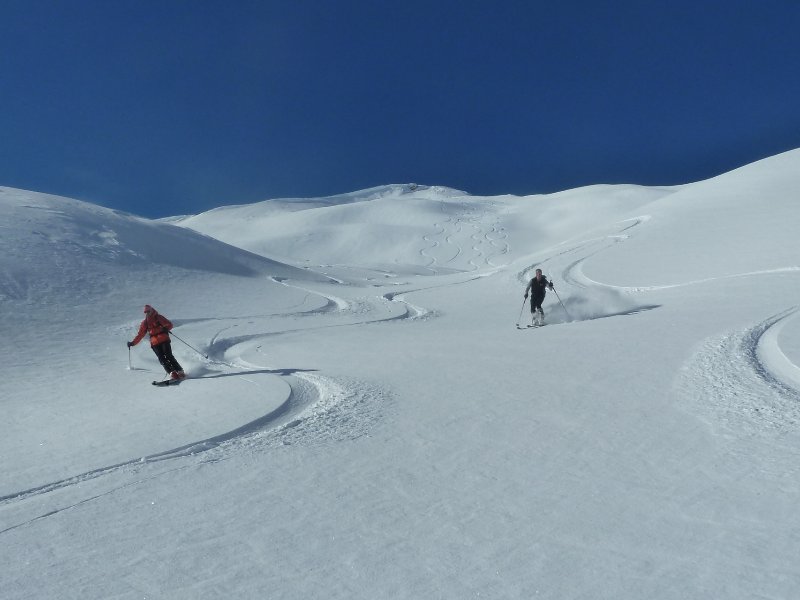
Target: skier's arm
[(140, 335), (165, 323), (529, 288)]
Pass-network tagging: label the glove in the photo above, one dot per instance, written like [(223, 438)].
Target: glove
[(526, 296), (164, 330), (130, 344)]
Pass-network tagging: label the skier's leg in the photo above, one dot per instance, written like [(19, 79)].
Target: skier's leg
[(170, 359), (541, 310), (159, 350), (535, 307)]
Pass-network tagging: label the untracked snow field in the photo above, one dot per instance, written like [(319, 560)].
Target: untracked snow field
[(368, 416)]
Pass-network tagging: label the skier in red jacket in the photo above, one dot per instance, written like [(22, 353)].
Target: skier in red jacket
[(158, 326)]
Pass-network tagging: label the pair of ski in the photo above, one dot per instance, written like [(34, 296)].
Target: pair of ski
[(166, 382), (537, 317)]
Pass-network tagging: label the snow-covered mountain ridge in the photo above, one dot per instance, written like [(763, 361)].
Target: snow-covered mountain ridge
[(367, 415)]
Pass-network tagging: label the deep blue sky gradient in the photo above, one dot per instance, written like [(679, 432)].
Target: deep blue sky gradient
[(171, 107)]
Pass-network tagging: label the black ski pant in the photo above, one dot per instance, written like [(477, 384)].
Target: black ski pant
[(164, 353), (536, 302)]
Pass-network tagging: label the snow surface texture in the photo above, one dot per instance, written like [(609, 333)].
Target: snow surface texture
[(363, 418)]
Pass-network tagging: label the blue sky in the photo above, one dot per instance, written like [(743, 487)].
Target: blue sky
[(171, 107)]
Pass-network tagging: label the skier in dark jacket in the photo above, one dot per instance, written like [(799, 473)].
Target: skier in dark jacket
[(538, 287), (158, 326)]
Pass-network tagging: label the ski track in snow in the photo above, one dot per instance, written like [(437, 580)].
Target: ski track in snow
[(587, 248), (318, 409), (450, 247), (574, 306), (578, 276), (743, 382), (574, 274)]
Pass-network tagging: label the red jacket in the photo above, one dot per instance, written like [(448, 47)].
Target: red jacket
[(157, 326)]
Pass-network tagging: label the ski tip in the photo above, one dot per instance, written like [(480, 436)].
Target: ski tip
[(165, 382)]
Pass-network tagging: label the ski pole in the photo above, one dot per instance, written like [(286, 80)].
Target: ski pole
[(562, 304), (520, 311), (130, 366), (172, 333)]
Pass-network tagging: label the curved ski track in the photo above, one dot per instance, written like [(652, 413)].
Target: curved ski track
[(445, 249), (576, 307), (321, 409), (318, 409), (739, 381)]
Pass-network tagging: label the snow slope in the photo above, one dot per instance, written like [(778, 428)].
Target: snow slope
[(365, 420)]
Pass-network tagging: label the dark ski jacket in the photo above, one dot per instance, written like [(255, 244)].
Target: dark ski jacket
[(538, 288)]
